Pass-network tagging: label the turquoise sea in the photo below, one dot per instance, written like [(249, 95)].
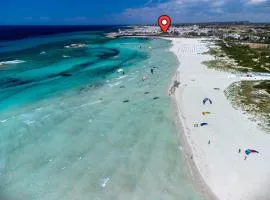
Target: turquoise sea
[(72, 127)]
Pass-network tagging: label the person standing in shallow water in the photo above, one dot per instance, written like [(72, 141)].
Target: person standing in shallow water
[(144, 78), (152, 70)]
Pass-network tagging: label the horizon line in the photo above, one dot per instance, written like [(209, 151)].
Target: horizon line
[(139, 24)]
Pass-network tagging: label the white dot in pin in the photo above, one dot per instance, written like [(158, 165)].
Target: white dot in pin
[(164, 22)]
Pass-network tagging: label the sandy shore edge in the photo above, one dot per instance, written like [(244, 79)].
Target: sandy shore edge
[(216, 177), (179, 121), (195, 176)]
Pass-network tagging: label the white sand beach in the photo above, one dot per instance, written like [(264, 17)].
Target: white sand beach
[(224, 170)]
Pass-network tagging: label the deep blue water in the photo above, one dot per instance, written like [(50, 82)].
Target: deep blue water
[(48, 67), (21, 32)]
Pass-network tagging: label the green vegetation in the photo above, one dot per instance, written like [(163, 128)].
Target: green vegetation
[(238, 57), (252, 97), (219, 65), (264, 85), (251, 60)]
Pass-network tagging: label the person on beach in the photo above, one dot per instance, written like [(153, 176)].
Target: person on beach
[(173, 87), (209, 142), (152, 70), (239, 151), (245, 157)]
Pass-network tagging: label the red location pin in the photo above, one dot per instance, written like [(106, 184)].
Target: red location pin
[(164, 22)]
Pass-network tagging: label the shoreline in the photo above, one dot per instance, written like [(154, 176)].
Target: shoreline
[(213, 176), (194, 174)]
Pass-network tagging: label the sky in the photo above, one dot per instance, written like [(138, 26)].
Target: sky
[(93, 12)]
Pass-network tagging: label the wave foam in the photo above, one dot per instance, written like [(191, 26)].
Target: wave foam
[(121, 77), (115, 84), (12, 62), (105, 181)]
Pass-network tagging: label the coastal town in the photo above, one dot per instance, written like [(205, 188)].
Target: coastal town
[(259, 33)]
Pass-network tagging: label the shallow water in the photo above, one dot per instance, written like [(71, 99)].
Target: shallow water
[(73, 137)]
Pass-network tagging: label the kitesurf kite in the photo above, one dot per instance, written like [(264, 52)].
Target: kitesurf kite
[(205, 113), (120, 70), (249, 151), (204, 124), (207, 99)]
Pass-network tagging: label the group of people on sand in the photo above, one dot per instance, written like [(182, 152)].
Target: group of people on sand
[(205, 100), (209, 141), (173, 87)]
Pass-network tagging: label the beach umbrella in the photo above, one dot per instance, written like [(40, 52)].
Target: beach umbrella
[(207, 99), (249, 151), (204, 124)]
